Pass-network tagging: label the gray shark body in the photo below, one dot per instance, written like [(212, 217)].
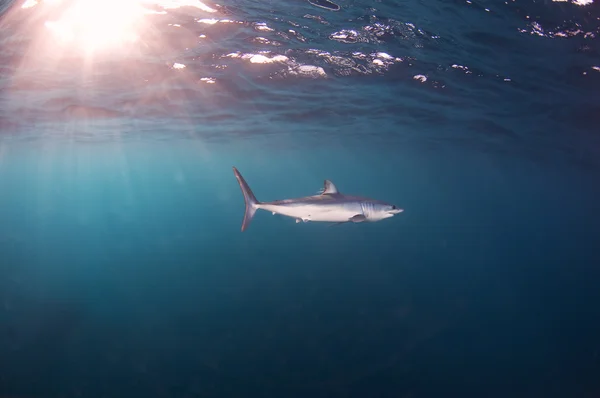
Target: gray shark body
[(329, 206)]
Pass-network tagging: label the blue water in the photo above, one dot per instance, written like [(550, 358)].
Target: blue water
[(123, 270)]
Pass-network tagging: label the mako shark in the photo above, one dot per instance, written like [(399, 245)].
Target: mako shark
[(329, 206)]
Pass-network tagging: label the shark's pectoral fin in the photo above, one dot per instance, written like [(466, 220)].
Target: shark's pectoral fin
[(357, 218)]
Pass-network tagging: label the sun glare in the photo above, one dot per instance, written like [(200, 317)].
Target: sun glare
[(93, 25), (98, 24)]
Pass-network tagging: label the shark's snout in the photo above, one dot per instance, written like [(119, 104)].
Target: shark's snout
[(395, 210)]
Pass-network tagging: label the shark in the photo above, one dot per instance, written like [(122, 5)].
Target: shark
[(329, 205)]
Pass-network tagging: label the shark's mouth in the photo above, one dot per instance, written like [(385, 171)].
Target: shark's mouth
[(395, 211)]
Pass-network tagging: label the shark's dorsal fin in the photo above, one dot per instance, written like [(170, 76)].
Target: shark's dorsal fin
[(329, 188)]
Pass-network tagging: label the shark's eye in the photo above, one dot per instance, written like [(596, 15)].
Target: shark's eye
[(393, 207)]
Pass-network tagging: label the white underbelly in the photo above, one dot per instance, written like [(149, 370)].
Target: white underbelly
[(315, 212)]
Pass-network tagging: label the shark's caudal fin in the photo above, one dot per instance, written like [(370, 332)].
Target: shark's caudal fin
[(249, 199)]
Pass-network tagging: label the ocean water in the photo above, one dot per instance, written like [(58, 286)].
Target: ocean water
[(123, 269)]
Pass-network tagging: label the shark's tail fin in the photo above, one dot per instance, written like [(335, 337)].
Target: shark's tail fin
[(249, 198)]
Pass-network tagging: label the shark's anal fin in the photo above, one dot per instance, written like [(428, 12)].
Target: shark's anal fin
[(329, 188)]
